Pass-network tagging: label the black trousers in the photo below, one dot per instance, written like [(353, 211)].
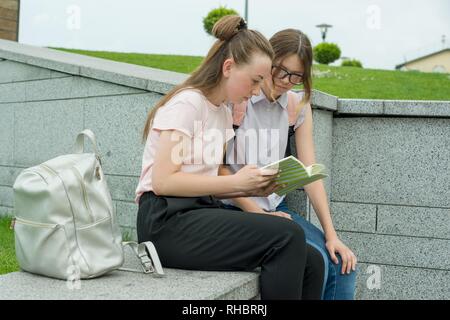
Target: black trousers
[(198, 233)]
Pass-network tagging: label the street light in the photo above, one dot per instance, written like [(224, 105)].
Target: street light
[(323, 29), (246, 11)]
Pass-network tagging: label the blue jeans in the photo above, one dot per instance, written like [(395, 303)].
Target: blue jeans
[(337, 286)]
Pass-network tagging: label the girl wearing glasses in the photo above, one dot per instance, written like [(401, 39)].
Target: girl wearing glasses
[(179, 184), (269, 114)]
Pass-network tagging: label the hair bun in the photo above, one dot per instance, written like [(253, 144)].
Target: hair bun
[(228, 26)]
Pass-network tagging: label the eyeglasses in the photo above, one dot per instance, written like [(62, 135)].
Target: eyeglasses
[(281, 73)]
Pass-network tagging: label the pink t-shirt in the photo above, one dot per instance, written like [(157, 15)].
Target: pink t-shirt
[(206, 128)]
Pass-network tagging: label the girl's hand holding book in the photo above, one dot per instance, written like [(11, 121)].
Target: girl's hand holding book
[(251, 180)]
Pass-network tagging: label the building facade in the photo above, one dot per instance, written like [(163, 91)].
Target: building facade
[(9, 19), (436, 62)]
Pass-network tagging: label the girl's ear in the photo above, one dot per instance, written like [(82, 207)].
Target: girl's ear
[(228, 64)]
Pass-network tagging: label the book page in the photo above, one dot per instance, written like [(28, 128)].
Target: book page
[(293, 174)]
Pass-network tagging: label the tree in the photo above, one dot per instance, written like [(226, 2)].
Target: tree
[(326, 53), (214, 15)]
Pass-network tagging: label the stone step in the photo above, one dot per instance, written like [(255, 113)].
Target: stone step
[(122, 285)]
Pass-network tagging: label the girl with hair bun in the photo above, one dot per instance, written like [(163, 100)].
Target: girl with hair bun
[(185, 136)]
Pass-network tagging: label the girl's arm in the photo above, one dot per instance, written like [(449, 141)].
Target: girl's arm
[(245, 204), (318, 196), (248, 205), (167, 179), (316, 192)]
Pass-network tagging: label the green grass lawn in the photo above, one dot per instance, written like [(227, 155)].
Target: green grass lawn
[(344, 82), (183, 64), (8, 261)]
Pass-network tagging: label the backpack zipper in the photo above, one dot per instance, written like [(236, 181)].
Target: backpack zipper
[(94, 224), (36, 224), (97, 168), (86, 202)]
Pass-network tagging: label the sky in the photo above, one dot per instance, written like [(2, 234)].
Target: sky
[(379, 33)]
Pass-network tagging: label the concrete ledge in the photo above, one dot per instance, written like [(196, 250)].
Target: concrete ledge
[(15, 71), (417, 108), (122, 285), (150, 79), (324, 100), (116, 72), (394, 107), (60, 89), (360, 106)]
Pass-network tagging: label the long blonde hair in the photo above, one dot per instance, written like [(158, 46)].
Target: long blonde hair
[(233, 40)]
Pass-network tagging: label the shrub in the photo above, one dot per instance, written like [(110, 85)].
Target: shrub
[(326, 53), (214, 15), (352, 63)]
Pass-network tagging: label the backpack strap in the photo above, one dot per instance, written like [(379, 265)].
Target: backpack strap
[(147, 255), (79, 143), (239, 111), (294, 108)]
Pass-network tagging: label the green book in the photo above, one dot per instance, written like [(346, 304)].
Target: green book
[(294, 174)]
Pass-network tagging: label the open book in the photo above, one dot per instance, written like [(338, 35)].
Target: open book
[(294, 174)]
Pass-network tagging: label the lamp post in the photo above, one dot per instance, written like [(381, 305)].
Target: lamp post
[(246, 11), (323, 29)]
